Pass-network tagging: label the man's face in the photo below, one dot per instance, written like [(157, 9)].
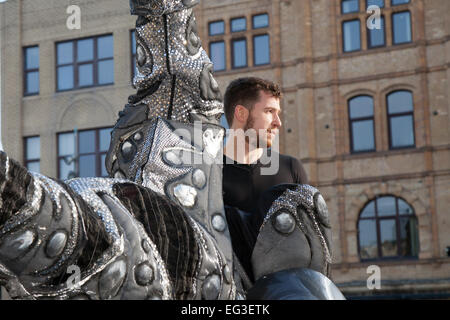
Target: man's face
[(264, 118)]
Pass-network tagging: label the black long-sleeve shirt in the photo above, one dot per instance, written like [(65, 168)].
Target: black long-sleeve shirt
[(243, 185)]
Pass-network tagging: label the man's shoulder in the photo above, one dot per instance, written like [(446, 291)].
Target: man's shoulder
[(295, 166), (286, 161), (287, 158)]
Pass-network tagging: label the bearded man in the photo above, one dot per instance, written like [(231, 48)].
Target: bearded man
[(252, 164)]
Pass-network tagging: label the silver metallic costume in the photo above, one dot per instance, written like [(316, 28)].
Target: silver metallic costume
[(157, 230)]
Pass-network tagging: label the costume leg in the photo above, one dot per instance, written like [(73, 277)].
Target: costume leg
[(50, 230), (292, 255)]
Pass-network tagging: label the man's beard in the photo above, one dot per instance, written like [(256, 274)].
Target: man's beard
[(260, 141)]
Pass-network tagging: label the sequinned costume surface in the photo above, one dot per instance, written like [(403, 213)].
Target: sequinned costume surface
[(156, 229)]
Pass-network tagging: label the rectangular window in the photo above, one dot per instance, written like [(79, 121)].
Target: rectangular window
[(260, 21), (133, 53), (238, 24), (216, 28), (349, 6), (85, 63), (92, 146), (401, 27), (239, 49), (33, 154), (261, 49), (376, 35), (378, 3), (66, 154), (31, 71), (361, 124), (363, 139), (401, 119), (351, 35), (402, 131), (398, 2), (217, 55)]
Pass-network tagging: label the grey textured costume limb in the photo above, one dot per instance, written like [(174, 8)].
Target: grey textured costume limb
[(47, 226), (155, 142), (296, 231), (174, 74), (292, 256), (157, 228), (174, 81), (123, 237)]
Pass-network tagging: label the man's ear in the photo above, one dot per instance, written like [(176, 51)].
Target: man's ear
[(241, 113)]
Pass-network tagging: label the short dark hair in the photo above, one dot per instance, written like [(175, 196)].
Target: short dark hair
[(245, 91)]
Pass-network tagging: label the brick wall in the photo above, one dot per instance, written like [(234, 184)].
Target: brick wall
[(317, 80)]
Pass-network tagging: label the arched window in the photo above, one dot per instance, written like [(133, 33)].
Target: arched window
[(387, 228), (361, 120), (400, 112)]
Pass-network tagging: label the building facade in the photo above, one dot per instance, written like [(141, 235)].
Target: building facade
[(366, 108)]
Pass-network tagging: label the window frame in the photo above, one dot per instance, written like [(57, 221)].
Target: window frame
[(254, 49), (387, 11), (384, 4), (232, 53), (377, 220), (401, 114), (217, 34), (237, 18), (229, 39), (27, 160), (98, 154), (26, 71), (224, 53), (260, 14), (369, 45), (399, 4), (342, 8), (351, 121), (75, 64), (393, 27), (343, 36)]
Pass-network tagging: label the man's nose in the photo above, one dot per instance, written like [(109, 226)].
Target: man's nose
[(277, 121)]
